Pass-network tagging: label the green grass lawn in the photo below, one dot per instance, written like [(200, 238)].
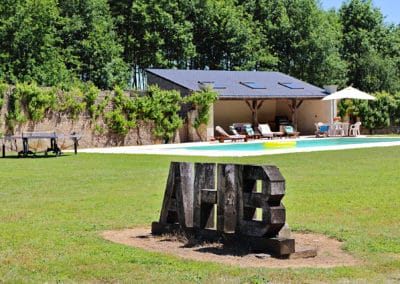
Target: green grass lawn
[(53, 210)]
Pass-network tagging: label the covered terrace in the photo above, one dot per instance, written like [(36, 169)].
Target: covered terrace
[(251, 96)]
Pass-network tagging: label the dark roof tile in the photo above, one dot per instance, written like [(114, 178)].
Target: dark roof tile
[(235, 90)]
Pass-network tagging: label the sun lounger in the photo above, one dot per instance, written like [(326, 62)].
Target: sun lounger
[(266, 132), (225, 136), (251, 133), (289, 131)]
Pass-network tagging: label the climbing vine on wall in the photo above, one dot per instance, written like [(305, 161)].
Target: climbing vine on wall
[(15, 112), (163, 109), (72, 102), (202, 101), (123, 115), (37, 100), (3, 89), (90, 99), (118, 111)]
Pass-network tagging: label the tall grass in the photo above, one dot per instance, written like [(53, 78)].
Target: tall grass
[(52, 212)]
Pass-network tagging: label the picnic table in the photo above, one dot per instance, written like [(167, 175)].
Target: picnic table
[(26, 137)]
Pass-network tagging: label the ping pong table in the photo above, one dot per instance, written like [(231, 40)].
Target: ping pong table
[(26, 137)]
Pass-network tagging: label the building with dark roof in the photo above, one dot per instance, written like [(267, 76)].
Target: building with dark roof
[(250, 96)]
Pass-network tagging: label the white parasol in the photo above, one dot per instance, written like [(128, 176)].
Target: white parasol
[(349, 93)]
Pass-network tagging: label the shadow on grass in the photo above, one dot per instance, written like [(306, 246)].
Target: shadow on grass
[(16, 156)]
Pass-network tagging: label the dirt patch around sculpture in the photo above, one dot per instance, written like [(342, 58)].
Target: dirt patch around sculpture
[(329, 252)]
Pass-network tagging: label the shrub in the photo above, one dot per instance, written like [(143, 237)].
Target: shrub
[(72, 102), (202, 101), (163, 108), (3, 89), (382, 112), (90, 99), (123, 116)]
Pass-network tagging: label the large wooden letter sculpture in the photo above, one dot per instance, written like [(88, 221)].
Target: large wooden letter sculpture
[(247, 200)]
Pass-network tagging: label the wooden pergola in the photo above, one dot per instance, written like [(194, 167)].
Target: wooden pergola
[(255, 104)]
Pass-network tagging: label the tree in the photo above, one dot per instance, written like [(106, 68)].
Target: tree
[(154, 33), (226, 37), (378, 113), (367, 48), (305, 39), (90, 43), (29, 42)]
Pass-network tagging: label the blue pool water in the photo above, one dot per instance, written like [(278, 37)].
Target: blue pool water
[(304, 143)]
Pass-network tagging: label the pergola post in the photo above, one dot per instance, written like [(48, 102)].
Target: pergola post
[(293, 106), (254, 106)]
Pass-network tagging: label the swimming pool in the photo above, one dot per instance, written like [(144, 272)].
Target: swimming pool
[(252, 148), (256, 148), (271, 145)]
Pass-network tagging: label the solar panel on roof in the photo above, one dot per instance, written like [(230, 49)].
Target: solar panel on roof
[(253, 85), (292, 85), (214, 85), (218, 85)]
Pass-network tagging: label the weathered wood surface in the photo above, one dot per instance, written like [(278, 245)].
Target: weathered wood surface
[(229, 185), (269, 200), (204, 195), (191, 197), (184, 193), (169, 197), (279, 247), (178, 197)]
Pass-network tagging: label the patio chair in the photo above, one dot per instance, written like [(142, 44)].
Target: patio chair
[(289, 131), (322, 130), (266, 132), (355, 129), (337, 129), (225, 136)]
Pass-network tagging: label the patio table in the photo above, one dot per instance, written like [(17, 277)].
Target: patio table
[(339, 129)]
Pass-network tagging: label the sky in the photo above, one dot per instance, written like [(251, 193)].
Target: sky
[(389, 8)]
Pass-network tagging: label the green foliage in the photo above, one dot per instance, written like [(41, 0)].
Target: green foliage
[(91, 42), (164, 111), (369, 46), (91, 96), (154, 32), (100, 41), (15, 112), (3, 90), (116, 121), (123, 116), (101, 106), (72, 102), (202, 101), (226, 37), (37, 100), (305, 40), (382, 112), (29, 43), (161, 107)]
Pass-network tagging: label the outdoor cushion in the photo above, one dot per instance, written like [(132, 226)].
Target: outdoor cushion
[(234, 131), (249, 130), (324, 128), (264, 128), (289, 129)]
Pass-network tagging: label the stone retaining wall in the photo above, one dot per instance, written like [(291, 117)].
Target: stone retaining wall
[(94, 134)]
